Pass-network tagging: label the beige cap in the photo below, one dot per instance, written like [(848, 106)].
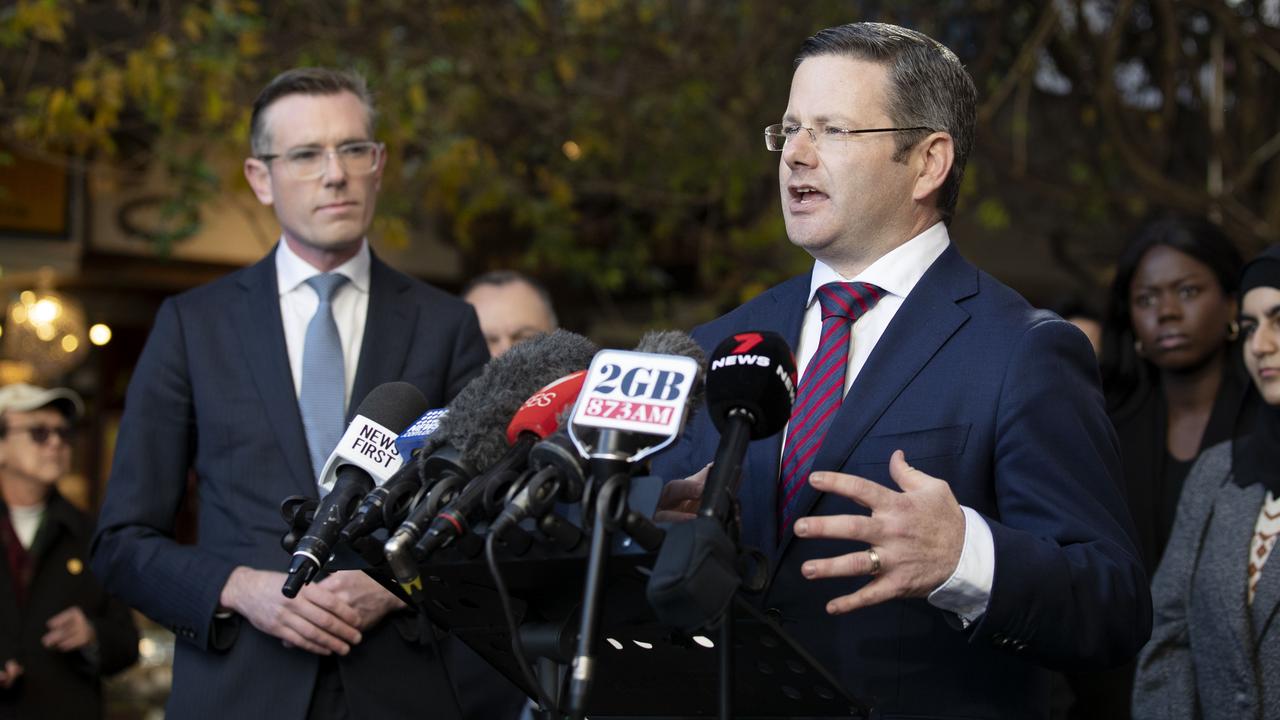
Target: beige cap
[(23, 398)]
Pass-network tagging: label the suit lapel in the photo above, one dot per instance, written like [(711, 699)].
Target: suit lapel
[(1227, 553), (783, 315), (257, 313), (384, 349), (926, 320)]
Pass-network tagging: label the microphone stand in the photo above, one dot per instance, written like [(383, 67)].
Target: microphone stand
[(608, 462)]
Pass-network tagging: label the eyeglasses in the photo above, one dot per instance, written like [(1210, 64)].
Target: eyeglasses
[(309, 163), (777, 136), (41, 434)]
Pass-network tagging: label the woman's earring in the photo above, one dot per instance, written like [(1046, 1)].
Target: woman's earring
[(1233, 331), (1137, 347)]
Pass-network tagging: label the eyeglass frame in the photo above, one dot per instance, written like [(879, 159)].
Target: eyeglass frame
[(840, 133), (41, 434), (379, 150)]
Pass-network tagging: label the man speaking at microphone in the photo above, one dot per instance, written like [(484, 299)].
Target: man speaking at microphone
[(248, 382), (942, 515)]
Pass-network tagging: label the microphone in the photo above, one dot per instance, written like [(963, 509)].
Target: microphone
[(365, 455), (416, 441), (636, 402), (419, 434), (566, 468), (534, 421), (751, 385), (475, 428), (633, 405)]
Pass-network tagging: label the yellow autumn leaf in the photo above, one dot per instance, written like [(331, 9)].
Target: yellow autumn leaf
[(417, 97), (393, 231), (192, 24), (565, 69), (214, 107), (250, 44), (83, 88), (162, 47)]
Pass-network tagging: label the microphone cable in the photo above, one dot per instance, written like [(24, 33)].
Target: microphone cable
[(504, 597)]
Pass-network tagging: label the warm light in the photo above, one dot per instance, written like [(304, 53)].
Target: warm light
[(46, 332), (100, 334), (571, 150), (70, 343), (45, 311), (19, 313), (27, 297)]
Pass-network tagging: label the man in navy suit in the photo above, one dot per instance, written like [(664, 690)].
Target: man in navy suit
[(218, 393), (943, 515)]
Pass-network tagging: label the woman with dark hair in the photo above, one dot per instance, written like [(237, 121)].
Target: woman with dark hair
[(1173, 385), (1215, 643)]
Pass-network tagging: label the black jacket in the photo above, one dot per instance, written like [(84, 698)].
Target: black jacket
[(55, 684)]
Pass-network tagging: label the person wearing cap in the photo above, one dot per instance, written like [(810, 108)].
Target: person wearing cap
[(1215, 645), (60, 632)]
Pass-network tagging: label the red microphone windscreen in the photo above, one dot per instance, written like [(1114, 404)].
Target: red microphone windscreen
[(542, 412)]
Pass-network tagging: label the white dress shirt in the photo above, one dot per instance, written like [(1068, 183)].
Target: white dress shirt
[(26, 520), (298, 303), (968, 590)]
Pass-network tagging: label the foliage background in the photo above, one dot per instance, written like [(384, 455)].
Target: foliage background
[(613, 147)]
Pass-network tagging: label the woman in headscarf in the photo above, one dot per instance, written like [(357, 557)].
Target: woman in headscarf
[(1215, 646)]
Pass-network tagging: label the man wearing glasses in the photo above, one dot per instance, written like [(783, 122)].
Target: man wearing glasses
[(249, 382), (942, 515), (60, 633)]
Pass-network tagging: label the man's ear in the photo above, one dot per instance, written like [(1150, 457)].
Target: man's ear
[(937, 153), (259, 177)]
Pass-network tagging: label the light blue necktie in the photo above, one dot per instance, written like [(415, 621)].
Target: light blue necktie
[(324, 381)]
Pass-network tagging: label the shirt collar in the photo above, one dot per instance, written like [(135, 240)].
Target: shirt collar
[(292, 271), (897, 271)]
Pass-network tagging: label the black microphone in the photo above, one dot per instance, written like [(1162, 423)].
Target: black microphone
[(539, 417), (477, 422), (458, 447), (367, 450), (751, 385)]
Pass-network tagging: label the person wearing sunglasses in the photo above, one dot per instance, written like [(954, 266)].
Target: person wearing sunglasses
[(60, 632)]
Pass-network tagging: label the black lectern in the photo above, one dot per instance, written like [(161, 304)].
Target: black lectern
[(645, 669)]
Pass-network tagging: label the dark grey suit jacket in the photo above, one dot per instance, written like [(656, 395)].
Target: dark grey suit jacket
[(213, 393), (1211, 655)]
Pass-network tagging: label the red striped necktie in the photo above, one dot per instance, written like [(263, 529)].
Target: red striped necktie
[(822, 387)]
